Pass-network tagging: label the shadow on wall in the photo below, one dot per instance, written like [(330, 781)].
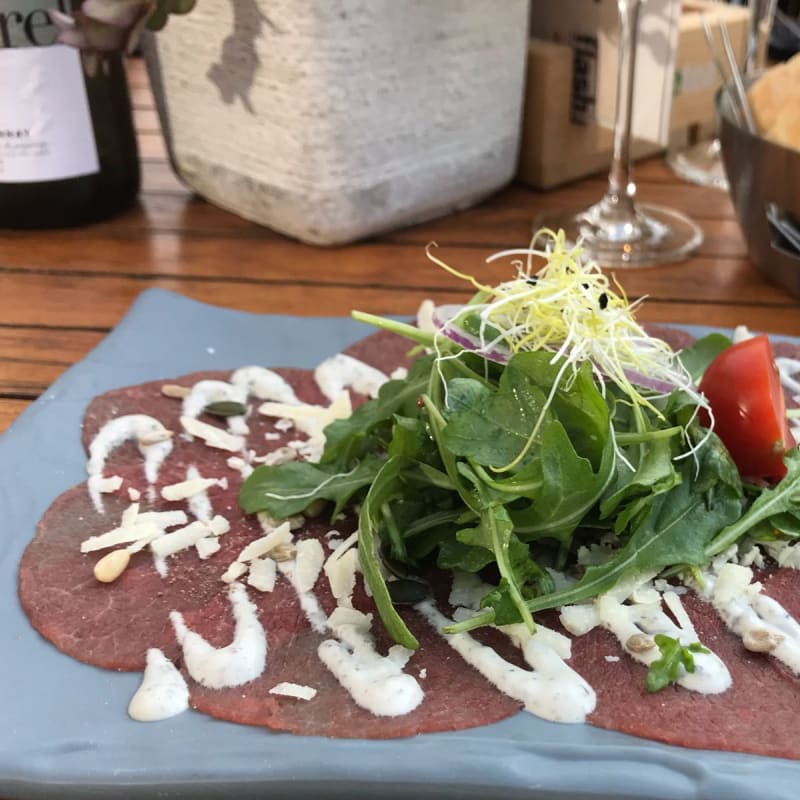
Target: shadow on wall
[(238, 63)]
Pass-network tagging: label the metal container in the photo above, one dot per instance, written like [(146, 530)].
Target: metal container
[(764, 185)]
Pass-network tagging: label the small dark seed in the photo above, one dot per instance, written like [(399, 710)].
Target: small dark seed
[(420, 403), (532, 280), (226, 408), (603, 301), (407, 592)]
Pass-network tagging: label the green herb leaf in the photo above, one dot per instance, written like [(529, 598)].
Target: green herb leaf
[(674, 657)]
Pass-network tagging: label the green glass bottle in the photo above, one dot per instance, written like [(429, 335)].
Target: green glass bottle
[(68, 152)]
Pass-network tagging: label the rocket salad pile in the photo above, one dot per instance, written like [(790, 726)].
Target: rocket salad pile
[(539, 420)]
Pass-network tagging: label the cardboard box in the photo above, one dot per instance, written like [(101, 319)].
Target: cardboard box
[(592, 29), (564, 135), (555, 149), (697, 80)]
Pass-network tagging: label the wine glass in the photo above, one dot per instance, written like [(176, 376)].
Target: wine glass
[(617, 231), (702, 162)]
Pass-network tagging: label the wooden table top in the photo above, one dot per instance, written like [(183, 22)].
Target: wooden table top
[(62, 291)]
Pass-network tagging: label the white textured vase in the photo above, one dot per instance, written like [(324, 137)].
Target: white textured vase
[(330, 120)]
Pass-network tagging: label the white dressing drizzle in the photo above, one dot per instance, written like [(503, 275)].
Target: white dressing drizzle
[(747, 612), (643, 614), (203, 393), (376, 683), (549, 692), (264, 384), (163, 692), (240, 661), (308, 600), (154, 442), (341, 371)]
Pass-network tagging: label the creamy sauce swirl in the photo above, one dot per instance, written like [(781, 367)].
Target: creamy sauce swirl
[(240, 661), (163, 692)]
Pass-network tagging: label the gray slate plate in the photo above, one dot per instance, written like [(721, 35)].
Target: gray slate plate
[(63, 725)]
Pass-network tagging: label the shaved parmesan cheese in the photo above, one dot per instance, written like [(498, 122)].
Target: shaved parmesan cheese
[(263, 572), (311, 420), (294, 690), (212, 436), (186, 489), (103, 485), (349, 616), (309, 559), (164, 519), (234, 572), (207, 546), (341, 574), (174, 542), (129, 515), (259, 547), (127, 533), (237, 463)]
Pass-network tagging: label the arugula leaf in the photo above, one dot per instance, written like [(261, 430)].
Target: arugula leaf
[(494, 427), (783, 498), (701, 353), (386, 486), (676, 529), (495, 533), (370, 425), (674, 656), (654, 474), (290, 488), (569, 488)]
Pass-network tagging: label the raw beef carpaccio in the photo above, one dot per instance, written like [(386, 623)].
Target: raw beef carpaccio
[(113, 625)]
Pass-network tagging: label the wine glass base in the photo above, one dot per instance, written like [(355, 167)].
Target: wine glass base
[(701, 163), (655, 235)]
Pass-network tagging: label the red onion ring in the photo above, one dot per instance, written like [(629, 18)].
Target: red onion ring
[(443, 317)]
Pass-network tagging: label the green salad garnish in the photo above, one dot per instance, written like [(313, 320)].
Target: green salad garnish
[(540, 419)]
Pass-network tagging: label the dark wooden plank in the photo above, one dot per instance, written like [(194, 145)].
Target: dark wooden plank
[(100, 301), (173, 256)]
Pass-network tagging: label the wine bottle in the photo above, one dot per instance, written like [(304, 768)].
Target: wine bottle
[(68, 152)]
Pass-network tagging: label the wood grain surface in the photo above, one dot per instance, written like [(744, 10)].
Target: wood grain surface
[(62, 291)]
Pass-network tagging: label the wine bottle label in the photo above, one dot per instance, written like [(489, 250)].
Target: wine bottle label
[(45, 124)]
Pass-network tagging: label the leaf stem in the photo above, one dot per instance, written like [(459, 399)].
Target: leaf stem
[(639, 437), (395, 326)]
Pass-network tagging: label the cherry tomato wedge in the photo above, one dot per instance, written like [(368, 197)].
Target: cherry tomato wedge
[(744, 390)]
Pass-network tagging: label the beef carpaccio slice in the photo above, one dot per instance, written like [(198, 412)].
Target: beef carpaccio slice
[(112, 625)]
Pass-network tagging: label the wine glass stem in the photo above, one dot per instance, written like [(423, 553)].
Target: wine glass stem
[(621, 188)]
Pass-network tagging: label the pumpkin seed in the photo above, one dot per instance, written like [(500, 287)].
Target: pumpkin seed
[(226, 408)]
